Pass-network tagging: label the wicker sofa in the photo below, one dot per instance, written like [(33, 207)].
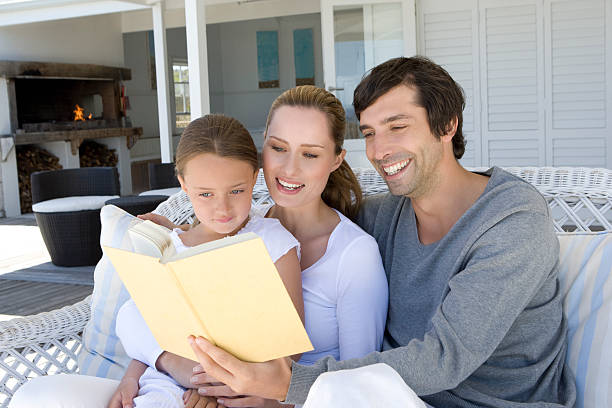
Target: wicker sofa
[(581, 203)]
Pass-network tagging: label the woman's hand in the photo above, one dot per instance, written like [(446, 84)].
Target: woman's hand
[(158, 219), (268, 380)]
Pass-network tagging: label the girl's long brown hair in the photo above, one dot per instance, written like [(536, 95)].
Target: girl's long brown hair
[(342, 191)]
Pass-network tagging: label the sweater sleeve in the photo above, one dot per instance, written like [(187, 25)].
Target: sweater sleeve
[(363, 296), (501, 274)]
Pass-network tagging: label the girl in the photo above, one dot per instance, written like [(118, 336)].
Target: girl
[(216, 163)]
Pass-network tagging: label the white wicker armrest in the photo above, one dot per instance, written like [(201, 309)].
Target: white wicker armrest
[(38, 328), (41, 344)]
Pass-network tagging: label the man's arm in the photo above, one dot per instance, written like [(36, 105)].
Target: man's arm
[(504, 269)]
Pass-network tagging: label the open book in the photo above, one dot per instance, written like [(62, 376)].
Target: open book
[(227, 291)]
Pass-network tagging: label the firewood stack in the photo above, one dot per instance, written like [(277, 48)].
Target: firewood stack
[(31, 158), (92, 154)]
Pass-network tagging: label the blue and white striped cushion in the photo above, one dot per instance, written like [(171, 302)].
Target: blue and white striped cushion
[(102, 354), (585, 273)]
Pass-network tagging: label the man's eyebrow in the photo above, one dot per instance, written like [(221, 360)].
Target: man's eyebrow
[(397, 117), (389, 119)]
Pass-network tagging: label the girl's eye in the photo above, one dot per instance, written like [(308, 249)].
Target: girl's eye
[(236, 191), (277, 149), (310, 155), (205, 195)]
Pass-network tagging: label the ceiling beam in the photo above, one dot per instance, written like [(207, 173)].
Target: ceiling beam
[(24, 12)]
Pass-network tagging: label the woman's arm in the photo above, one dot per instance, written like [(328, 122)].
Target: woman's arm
[(288, 267), (179, 368), (363, 297), (127, 389)]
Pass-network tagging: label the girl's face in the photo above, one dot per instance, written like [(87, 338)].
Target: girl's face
[(220, 191), (298, 156)]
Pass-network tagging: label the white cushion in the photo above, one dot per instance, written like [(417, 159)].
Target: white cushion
[(74, 203), (102, 354), (585, 274), (162, 191)]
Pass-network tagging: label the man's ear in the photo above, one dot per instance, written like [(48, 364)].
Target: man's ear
[(339, 160), (451, 129)]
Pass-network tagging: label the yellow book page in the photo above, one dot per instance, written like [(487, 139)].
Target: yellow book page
[(239, 296), (160, 300)]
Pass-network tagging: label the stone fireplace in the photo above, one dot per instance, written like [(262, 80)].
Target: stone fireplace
[(56, 107)]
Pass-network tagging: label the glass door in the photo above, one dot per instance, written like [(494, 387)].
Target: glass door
[(356, 37)]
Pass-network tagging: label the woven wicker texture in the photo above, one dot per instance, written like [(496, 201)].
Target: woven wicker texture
[(580, 199)]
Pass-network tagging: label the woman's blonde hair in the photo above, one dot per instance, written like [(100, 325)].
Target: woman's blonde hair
[(342, 191), (217, 134)]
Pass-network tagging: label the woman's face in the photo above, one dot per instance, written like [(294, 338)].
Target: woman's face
[(298, 156)]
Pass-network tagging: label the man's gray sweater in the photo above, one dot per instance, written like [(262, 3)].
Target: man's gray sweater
[(475, 319)]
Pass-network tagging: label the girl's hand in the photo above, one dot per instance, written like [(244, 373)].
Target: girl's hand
[(158, 219), (125, 393), (192, 399), (128, 387), (268, 380)]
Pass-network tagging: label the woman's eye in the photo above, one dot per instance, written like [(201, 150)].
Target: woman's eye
[(310, 155), (277, 149), (205, 195), (236, 191)]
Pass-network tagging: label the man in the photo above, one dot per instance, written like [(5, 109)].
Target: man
[(475, 314)]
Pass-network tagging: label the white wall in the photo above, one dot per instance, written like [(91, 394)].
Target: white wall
[(232, 73), (242, 97), (88, 40)]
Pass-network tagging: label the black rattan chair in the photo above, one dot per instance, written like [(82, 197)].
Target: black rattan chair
[(72, 237), (162, 175)]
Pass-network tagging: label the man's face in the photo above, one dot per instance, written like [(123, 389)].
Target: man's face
[(400, 144)]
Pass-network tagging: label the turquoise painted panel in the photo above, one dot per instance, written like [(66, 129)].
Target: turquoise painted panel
[(303, 55), (267, 59)]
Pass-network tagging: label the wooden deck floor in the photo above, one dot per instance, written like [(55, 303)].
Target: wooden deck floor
[(22, 298), (29, 283)]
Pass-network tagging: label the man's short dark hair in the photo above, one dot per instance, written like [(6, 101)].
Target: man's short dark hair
[(437, 92)]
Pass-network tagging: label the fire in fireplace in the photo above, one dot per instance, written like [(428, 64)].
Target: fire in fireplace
[(70, 103)]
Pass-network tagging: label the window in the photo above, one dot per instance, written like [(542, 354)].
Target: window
[(182, 103)]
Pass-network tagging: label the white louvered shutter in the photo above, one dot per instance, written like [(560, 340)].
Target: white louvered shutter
[(448, 34), (512, 83), (578, 129)]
